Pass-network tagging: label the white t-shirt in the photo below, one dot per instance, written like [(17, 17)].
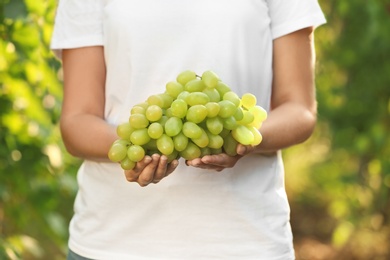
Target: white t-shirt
[(239, 213)]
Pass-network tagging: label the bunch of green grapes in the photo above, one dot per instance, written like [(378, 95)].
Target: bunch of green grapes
[(194, 117)]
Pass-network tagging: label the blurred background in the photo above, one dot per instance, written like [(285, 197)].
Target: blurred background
[(338, 181)]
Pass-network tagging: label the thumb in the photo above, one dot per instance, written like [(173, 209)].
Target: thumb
[(241, 149), (244, 149)]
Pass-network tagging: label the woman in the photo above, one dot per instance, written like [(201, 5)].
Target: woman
[(115, 54)]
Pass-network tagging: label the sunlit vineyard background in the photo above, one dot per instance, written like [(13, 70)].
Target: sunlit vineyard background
[(338, 181)]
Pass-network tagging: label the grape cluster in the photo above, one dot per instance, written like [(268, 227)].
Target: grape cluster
[(194, 117)]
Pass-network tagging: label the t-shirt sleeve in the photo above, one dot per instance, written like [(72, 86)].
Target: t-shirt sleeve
[(78, 23), (288, 16)]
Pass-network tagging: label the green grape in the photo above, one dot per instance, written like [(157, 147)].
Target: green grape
[(167, 100), (168, 112), (155, 130), (140, 136), (191, 152), (229, 123), (202, 124), (222, 88), (225, 132), (248, 100), (179, 108), (156, 100), (151, 145), (232, 97), (173, 126), (215, 141), (210, 79), (135, 153), (127, 164), (180, 142), (256, 124), (122, 142), (117, 151), (197, 98), (256, 134), (196, 113), (194, 117), (216, 151), (174, 88), (153, 113), (212, 109), (226, 108), (142, 104), (165, 144), (230, 145), (191, 130), (195, 85), (174, 155), (239, 115), (213, 94), (138, 121), (202, 141), (137, 110), (247, 118), (243, 135), (163, 120), (205, 151), (185, 77), (153, 151), (183, 95), (124, 130), (259, 113), (214, 125)]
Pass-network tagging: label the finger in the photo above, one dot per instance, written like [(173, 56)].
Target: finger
[(241, 149), (132, 175), (140, 166), (194, 162), (244, 149), (172, 166), (147, 174), (218, 160), (210, 167), (207, 162), (161, 169)]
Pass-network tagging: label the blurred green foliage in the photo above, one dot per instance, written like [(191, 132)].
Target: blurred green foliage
[(338, 181), (37, 184)]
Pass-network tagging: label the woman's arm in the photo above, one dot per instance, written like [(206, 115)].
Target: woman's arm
[(293, 104), (84, 131)]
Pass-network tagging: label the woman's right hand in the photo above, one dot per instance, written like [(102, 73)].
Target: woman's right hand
[(151, 169)]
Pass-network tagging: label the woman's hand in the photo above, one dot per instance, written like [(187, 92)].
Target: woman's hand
[(151, 169), (218, 162)]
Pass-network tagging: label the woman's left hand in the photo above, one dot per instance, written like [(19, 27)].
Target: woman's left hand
[(218, 162)]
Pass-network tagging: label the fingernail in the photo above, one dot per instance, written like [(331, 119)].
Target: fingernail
[(205, 159), (241, 150), (147, 159), (175, 164)]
